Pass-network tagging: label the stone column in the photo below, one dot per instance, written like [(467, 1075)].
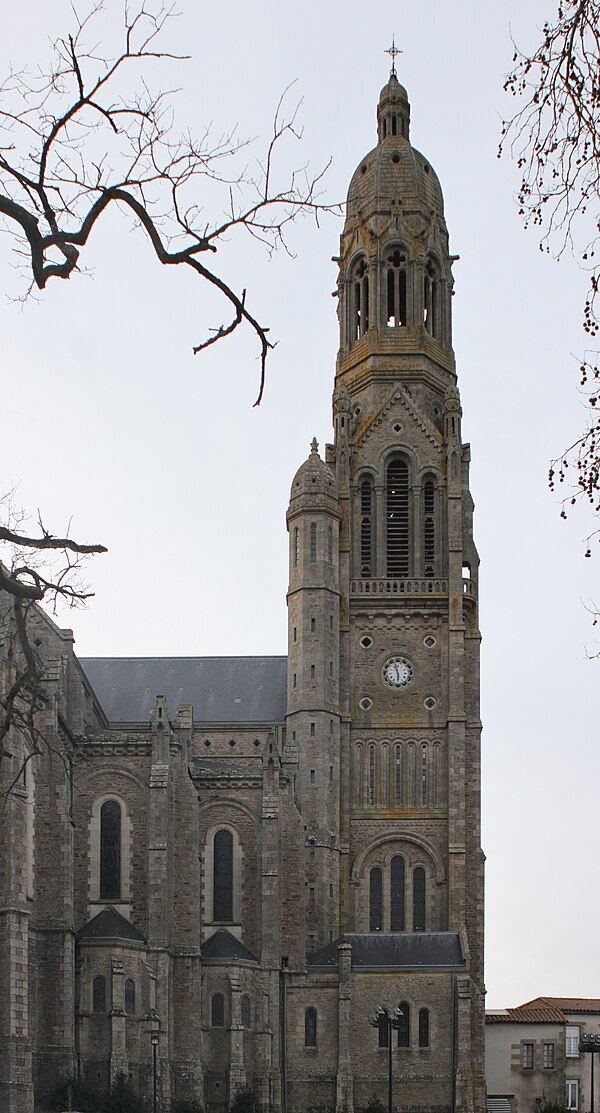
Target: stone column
[(344, 1087), (118, 1045)]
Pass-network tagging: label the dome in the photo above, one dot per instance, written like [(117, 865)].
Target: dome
[(314, 477), (394, 170)]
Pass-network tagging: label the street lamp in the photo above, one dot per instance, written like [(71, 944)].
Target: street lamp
[(590, 1045), (382, 1020), (153, 1020), (154, 1042)]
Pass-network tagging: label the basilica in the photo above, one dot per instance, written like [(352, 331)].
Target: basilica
[(266, 872)]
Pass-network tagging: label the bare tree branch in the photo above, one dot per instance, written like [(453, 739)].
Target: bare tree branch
[(555, 140), (76, 142)]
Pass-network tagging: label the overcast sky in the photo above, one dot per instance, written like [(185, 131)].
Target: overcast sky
[(110, 421)]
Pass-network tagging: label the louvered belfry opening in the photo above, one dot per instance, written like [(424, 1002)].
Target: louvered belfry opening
[(429, 527), (397, 514), (366, 528)]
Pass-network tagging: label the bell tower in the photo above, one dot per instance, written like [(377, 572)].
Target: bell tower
[(410, 854)]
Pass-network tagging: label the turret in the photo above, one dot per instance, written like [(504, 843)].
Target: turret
[(313, 682)]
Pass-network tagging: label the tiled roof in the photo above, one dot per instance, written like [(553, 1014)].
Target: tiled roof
[(220, 689), (567, 1004), (223, 946), (109, 924), (394, 951), (544, 1010)]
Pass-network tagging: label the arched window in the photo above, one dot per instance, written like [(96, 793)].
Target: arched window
[(424, 786), (223, 877), (397, 516), (360, 300), (419, 899), (404, 1024), (430, 299), (310, 1028), (217, 1011), (371, 775), (395, 279), (245, 1011), (296, 545), (397, 919), (330, 544), (130, 997), (398, 774), (429, 497), (313, 541), (376, 899), (423, 1027), (99, 995), (366, 528), (110, 850)]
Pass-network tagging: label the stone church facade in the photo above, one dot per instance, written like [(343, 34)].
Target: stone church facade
[(250, 855)]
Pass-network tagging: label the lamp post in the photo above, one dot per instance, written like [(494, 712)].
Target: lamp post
[(382, 1020), (590, 1045), (154, 1042)]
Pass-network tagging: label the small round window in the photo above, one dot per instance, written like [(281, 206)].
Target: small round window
[(429, 703), (429, 641), (365, 703), (366, 641)]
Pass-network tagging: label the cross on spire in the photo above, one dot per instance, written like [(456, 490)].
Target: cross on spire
[(393, 52)]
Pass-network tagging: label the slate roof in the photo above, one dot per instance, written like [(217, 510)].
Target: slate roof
[(220, 689), (109, 924), (394, 951), (223, 946)]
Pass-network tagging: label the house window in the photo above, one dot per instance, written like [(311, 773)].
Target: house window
[(223, 877), (313, 730), (572, 1093), (548, 1055), (527, 1056), (397, 519), (217, 1011), (312, 777), (310, 1028), (572, 1041), (130, 997), (245, 1011), (404, 1025), (397, 893), (419, 899), (376, 900), (110, 850), (423, 1027), (313, 672), (313, 541), (99, 995), (313, 625)]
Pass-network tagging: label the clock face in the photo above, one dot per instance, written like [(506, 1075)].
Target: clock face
[(397, 673)]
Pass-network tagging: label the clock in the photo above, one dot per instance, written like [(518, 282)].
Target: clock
[(397, 673)]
